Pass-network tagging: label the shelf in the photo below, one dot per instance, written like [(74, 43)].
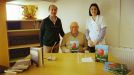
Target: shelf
[(23, 24), (22, 34), (23, 30), (24, 46)]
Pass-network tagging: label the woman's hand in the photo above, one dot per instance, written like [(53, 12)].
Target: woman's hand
[(95, 43), (90, 43)]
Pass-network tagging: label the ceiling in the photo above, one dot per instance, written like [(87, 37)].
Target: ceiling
[(25, 2)]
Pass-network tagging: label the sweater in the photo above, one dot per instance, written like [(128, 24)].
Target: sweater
[(65, 44), (49, 32)]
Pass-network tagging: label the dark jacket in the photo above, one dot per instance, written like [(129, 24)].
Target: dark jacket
[(49, 33)]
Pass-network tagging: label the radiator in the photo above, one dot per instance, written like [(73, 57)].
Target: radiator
[(124, 56)]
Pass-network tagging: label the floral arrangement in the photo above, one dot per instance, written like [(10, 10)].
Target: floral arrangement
[(29, 11)]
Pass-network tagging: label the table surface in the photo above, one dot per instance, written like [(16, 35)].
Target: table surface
[(68, 64)]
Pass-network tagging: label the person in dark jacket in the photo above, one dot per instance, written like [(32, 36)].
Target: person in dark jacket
[(50, 31)]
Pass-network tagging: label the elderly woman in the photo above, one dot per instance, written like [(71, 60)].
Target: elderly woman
[(74, 41)]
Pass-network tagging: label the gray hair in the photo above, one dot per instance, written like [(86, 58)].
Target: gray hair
[(74, 23)]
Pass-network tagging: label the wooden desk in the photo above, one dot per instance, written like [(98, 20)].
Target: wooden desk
[(67, 64)]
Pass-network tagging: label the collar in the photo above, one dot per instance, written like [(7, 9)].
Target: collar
[(53, 20), (75, 35)]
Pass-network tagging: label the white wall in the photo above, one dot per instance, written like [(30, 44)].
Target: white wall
[(127, 24), (73, 10), (43, 10), (14, 12), (111, 12)]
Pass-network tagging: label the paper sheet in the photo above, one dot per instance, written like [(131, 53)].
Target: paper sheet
[(87, 59)]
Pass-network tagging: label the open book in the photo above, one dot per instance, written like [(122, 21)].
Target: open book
[(36, 55), (19, 66), (116, 68)]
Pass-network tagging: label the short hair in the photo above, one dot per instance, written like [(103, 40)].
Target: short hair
[(52, 5), (98, 10), (74, 23)]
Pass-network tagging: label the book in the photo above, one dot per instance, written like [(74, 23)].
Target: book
[(116, 68), (22, 64), (101, 53), (19, 66), (74, 45), (36, 56)]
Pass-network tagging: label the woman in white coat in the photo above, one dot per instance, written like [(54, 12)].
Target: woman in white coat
[(95, 27)]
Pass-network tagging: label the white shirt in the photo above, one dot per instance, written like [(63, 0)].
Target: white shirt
[(94, 28)]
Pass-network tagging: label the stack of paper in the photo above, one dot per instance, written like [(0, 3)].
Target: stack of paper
[(20, 66)]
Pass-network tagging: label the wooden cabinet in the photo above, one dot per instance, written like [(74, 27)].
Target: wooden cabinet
[(4, 57), (22, 34)]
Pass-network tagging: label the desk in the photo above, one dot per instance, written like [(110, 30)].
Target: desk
[(67, 64)]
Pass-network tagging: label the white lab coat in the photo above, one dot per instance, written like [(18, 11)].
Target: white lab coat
[(94, 28)]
